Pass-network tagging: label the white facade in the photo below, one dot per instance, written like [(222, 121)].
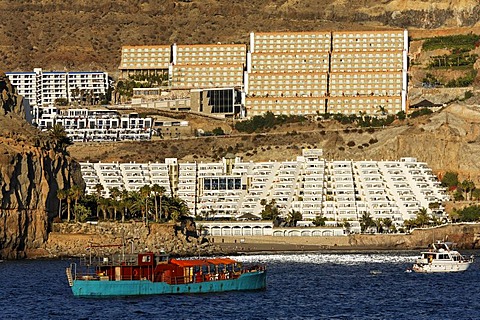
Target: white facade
[(42, 88), (336, 190), (82, 124)]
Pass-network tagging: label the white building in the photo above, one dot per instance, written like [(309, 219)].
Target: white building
[(43, 88), (83, 124), (338, 191)]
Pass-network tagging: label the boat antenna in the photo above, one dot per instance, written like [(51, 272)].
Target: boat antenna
[(90, 252), (123, 244)]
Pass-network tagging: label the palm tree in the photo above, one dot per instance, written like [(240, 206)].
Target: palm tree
[(158, 191), (114, 195), (76, 194), (145, 192), (293, 217), (366, 222), (103, 204), (382, 110), (59, 136), (61, 195), (422, 218), (176, 208), (98, 194), (69, 203), (468, 186), (125, 203)]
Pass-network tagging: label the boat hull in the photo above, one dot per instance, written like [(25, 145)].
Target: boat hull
[(441, 267), (97, 288)]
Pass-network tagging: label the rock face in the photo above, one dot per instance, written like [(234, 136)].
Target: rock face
[(31, 172), (72, 239)]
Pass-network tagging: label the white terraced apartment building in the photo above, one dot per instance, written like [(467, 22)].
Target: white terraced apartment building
[(337, 190), (83, 124), (290, 73)]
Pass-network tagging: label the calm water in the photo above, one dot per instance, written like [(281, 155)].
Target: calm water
[(300, 286)]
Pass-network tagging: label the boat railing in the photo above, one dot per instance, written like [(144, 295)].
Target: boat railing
[(116, 259)]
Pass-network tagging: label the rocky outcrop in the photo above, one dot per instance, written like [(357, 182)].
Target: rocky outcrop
[(32, 169), (73, 239)]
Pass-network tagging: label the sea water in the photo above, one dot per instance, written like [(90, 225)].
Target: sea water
[(299, 286)]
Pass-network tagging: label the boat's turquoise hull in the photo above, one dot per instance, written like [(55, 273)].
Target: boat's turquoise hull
[(247, 281)]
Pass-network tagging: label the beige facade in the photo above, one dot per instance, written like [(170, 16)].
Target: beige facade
[(285, 105), (207, 76), (372, 105), (290, 72), (210, 54), (144, 58), (303, 84), (346, 72), (208, 65)]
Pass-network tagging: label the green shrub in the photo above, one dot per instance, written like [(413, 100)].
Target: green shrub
[(460, 41)]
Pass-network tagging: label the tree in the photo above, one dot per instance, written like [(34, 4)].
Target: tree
[(476, 194), (61, 195), (218, 131), (82, 212), (176, 208), (115, 195), (59, 137), (366, 221), (293, 217), (450, 179), (125, 203), (319, 221), (422, 218), (470, 214), (103, 204), (145, 192), (158, 191), (76, 193), (69, 203), (467, 186), (382, 110), (270, 211), (454, 215), (98, 194)]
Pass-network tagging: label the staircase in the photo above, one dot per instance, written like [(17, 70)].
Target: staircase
[(68, 271)]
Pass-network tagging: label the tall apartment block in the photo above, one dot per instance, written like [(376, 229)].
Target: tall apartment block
[(42, 89), (368, 72), (350, 72), (337, 72), (287, 72)]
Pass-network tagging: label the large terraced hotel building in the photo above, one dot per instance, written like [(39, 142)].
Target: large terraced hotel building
[(349, 72), (310, 184)]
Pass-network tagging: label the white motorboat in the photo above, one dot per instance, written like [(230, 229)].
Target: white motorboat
[(442, 258)]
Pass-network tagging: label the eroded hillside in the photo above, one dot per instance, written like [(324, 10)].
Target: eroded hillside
[(88, 35)]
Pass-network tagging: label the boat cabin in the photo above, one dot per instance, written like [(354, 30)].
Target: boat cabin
[(160, 268)]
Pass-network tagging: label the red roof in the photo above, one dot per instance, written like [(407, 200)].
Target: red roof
[(193, 263), (189, 263), (221, 261)]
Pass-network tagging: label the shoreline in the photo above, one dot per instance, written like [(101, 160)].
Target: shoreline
[(275, 248)]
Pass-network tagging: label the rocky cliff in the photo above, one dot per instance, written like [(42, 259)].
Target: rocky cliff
[(32, 169), (73, 239)]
